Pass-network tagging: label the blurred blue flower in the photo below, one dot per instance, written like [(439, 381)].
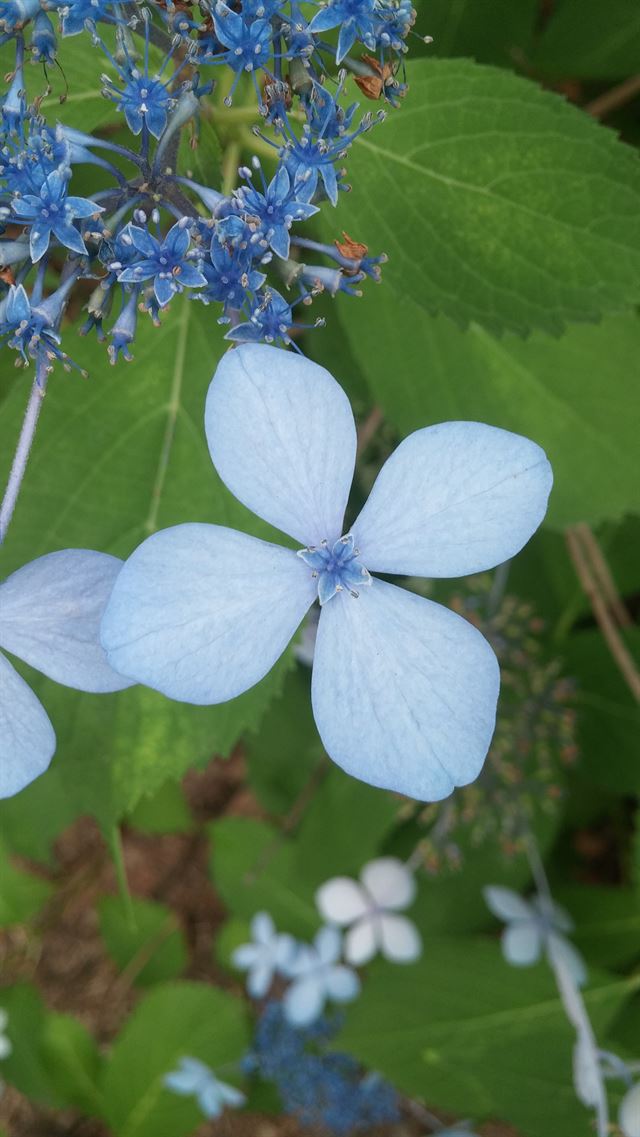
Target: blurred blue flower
[(193, 1079), (269, 955), (404, 691), (533, 926), (317, 976), (322, 1088), (50, 611)]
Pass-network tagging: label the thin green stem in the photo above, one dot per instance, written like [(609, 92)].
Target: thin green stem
[(117, 853)]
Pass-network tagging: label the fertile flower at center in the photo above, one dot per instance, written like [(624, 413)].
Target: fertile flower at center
[(404, 691)]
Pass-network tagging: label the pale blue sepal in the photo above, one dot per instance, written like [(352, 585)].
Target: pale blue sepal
[(50, 612), (522, 943), (404, 691), (282, 437), (27, 740), (201, 613), (453, 499), (506, 904)]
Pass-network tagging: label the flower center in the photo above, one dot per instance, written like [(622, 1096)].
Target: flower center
[(336, 567)]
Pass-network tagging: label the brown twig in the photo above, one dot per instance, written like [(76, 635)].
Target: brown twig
[(615, 98), (368, 428), (616, 604), (579, 551)]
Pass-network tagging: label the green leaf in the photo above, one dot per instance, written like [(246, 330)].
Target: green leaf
[(165, 811), (498, 33), (175, 1020), (153, 950), (477, 1037), (116, 457), (282, 755), (73, 1062), (253, 867), (571, 395), (22, 894), (589, 40), (497, 202)]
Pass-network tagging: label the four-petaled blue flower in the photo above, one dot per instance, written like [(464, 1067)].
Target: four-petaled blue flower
[(534, 926), (167, 262), (50, 611), (317, 976), (269, 955), (52, 212), (404, 691), (193, 1079)]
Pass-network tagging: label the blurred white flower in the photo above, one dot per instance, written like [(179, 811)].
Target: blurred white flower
[(316, 977), (369, 909), (534, 926)]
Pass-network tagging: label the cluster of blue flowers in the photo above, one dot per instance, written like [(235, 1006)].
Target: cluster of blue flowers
[(152, 231), (319, 1086)]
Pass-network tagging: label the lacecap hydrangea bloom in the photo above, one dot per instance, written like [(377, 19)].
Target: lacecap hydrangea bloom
[(50, 611), (370, 910), (404, 691)]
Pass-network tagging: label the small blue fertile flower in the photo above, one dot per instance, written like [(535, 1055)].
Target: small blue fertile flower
[(275, 209), (533, 927), (355, 18), (194, 1079), (168, 262), (51, 212), (269, 955), (316, 976), (246, 43), (404, 691), (50, 611)]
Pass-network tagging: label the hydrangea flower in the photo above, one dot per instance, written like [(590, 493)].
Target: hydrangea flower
[(404, 691), (51, 213), (194, 1079), (629, 1114), (317, 976), (270, 954), (534, 926), (50, 611), (369, 910)]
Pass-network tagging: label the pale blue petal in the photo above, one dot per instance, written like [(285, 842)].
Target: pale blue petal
[(50, 612), (209, 1100), (342, 984), (231, 1096), (245, 956), (328, 943), (259, 980), (262, 928), (190, 1077), (404, 691), (453, 499), (629, 1115), (521, 943), (506, 904), (282, 437), (304, 1000), (27, 741), (201, 612), (570, 956)]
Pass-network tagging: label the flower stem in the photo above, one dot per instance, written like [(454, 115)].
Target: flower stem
[(23, 448)]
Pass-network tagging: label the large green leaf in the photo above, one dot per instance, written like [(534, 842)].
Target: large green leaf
[(498, 202), (576, 396), (591, 40), (467, 1033), (175, 1020), (117, 456)]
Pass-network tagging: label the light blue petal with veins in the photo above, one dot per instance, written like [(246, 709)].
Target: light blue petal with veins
[(282, 437), (404, 691), (50, 613), (201, 613), (27, 740), (453, 499)]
